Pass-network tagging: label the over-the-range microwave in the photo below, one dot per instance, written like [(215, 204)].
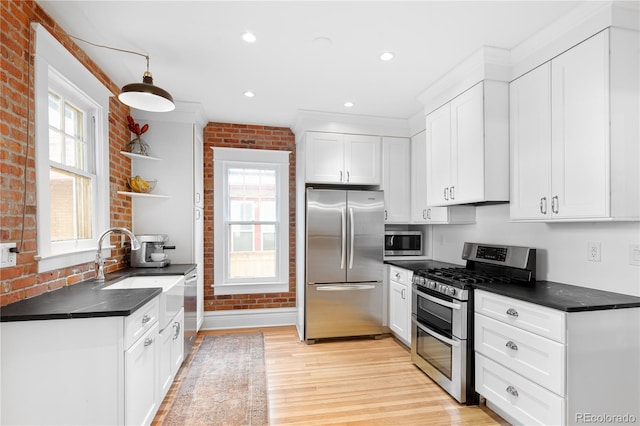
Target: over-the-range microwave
[(403, 243)]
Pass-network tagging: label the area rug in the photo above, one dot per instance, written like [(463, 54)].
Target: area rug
[(225, 384)]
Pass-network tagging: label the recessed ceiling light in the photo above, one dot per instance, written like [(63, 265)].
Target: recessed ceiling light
[(348, 104), (386, 56), (249, 37), (249, 94)]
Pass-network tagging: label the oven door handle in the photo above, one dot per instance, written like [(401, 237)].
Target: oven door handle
[(436, 335), (438, 301)]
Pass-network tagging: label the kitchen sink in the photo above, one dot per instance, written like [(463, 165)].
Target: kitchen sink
[(171, 298)]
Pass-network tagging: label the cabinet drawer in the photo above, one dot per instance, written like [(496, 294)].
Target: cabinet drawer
[(537, 319), (403, 276), (525, 401), (536, 358), (136, 324)]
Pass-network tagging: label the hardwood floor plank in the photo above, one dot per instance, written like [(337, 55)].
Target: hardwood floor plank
[(350, 382)]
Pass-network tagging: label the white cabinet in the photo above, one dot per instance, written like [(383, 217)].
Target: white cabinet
[(342, 158), (468, 147), (537, 365), (171, 341), (396, 179), (98, 370), (421, 212), (574, 154), (400, 303)]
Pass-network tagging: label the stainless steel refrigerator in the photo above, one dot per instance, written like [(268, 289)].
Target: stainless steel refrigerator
[(344, 271)]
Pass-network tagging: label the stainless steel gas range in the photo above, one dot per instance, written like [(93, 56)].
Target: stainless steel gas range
[(442, 312)]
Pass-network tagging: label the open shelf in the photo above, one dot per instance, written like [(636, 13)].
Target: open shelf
[(138, 156), (141, 195)]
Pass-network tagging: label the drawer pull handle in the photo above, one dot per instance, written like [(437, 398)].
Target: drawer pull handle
[(146, 318), (397, 275), (148, 341), (176, 327), (512, 312), (512, 345), (513, 391)]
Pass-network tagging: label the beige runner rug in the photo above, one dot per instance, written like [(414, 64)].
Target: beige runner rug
[(225, 384)]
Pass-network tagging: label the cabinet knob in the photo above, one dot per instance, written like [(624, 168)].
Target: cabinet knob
[(403, 294), (176, 327), (424, 213), (543, 205), (555, 204), (347, 176), (513, 391), (512, 345), (397, 275), (148, 341), (446, 193), (428, 213), (385, 215), (146, 318), (512, 312), (452, 193), (340, 175)]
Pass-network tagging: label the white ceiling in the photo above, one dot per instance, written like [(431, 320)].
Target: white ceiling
[(197, 53)]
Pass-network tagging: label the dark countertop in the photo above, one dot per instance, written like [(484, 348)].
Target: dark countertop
[(87, 300), (563, 297)]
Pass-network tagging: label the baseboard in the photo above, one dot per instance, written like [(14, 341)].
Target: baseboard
[(248, 318)]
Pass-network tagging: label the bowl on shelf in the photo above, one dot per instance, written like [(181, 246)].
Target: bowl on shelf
[(141, 185)]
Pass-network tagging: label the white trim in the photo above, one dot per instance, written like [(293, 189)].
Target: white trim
[(318, 121), (248, 318), (51, 55)]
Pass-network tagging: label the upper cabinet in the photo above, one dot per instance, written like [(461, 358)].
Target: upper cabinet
[(396, 179), (343, 159), (468, 147), (421, 211), (574, 133)]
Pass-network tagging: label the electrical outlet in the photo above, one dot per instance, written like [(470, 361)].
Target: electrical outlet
[(8, 257), (593, 254), (634, 254)]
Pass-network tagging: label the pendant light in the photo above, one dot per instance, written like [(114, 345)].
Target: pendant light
[(144, 96)]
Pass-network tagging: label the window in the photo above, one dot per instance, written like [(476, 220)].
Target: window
[(251, 211), (71, 156)]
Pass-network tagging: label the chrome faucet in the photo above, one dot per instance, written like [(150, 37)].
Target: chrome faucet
[(135, 245)]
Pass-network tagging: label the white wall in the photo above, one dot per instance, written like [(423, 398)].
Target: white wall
[(561, 247)]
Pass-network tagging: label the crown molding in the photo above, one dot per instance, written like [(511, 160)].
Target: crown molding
[(307, 120)]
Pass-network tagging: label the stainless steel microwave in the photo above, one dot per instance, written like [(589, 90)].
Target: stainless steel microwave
[(403, 243)]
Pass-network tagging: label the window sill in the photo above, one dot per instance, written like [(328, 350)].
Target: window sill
[(65, 260), (227, 289)]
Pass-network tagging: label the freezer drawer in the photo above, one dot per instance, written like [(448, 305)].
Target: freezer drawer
[(343, 309)]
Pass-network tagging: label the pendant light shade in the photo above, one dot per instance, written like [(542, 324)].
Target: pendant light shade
[(145, 96)]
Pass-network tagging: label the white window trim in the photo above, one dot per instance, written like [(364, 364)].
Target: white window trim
[(271, 158), (51, 55)]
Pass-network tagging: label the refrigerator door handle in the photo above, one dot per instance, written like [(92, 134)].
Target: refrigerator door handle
[(345, 287), (352, 232), (343, 237)]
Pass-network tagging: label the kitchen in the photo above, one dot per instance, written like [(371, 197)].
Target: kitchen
[(562, 247)]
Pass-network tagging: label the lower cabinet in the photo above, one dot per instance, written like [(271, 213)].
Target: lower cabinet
[(537, 365), (87, 371), (400, 303), (171, 353)]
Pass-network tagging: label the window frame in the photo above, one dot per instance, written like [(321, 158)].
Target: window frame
[(225, 158), (57, 68)]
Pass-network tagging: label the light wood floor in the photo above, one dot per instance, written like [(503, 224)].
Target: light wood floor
[(349, 382)]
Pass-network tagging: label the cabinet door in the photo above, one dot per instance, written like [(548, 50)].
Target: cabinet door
[(324, 157), (396, 153), (140, 403), (438, 134), (362, 160), (530, 144), (165, 376), (467, 147), (419, 178), (399, 312), (580, 136)]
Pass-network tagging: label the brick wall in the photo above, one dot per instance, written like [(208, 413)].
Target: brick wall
[(23, 280), (252, 137)]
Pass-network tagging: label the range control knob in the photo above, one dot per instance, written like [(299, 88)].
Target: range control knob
[(451, 291)]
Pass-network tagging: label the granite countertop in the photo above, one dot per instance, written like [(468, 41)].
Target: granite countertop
[(563, 297), (87, 300)]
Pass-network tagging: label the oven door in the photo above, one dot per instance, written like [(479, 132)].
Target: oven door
[(442, 358), (442, 313)]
